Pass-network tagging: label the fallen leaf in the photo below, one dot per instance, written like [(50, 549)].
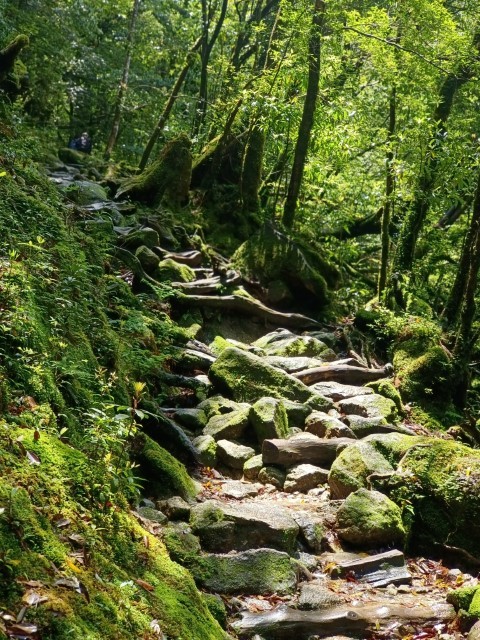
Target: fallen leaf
[(36, 435), (145, 585), (33, 598), (63, 522), (32, 457)]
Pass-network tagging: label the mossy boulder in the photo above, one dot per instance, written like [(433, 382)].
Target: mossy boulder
[(232, 454), (272, 475), (252, 467), (147, 258), (370, 406), (259, 571), (165, 476), (170, 271), (70, 156), (218, 405), (246, 377), (466, 599), (167, 178), (137, 238), (284, 343), (230, 425), (269, 419), (84, 192), (387, 389), (369, 519), (269, 256), (206, 447)]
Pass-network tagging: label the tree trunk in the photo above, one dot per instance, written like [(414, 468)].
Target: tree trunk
[(122, 89), (306, 123), (169, 105), (389, 191)]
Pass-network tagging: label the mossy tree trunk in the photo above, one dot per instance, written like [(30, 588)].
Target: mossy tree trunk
[(252, 170), (306, 123), (9, 54)]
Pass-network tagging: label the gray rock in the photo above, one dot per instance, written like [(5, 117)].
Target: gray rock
[(379, 570), (195, 419), (315, 595), (272, 475), (238, 489), (252, 467), (337, 391), (362, 427), (206, 447), (147, 258), (312, 529), (218, 405), (368, 518), (292, 365), (296, 413), (303, 477), (370, 406), (140, 237), (175, 508), (287, 344), (269, 419), (152, 514), (326, 426), (232, 454), (474, 633), (223, 527), (307, 560), (230, 425), (259, 571)]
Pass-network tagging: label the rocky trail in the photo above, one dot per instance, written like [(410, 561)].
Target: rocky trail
[(297, 444)]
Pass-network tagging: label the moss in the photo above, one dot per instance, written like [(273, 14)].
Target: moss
[(217, 608), (387, 389), (171, 271), (462, 598), (251, 177), (164, 474)]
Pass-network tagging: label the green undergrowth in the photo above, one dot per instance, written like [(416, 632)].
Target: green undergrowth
[(79, 353)]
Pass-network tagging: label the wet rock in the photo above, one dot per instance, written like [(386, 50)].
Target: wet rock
[(370, 406), (272, 475), (175, 508), (229, 425), (252, 467), (247, 377), (303, 477), (326, 426), (258, 571), (315, 595), (368, 519), (307, 560), (269, 419), (353, 466), (232, 454), (379, 570), (238, 490), (337, 391), (223, 527), (206, 447)]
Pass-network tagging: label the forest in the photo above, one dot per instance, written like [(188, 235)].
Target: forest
[(239, 326)]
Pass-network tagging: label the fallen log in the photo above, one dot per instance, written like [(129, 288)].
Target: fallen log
[(286, 622), (250, 307), (305, 448), (344, 373)]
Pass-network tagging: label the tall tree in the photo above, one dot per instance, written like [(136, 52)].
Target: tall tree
[(123, 86), (306, 123)]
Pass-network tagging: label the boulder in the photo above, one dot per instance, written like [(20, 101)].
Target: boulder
[(195, 419), (259, 571), (292, 365), (337, 391), (312, 529), (225, 527), (474, 633), (252, 467), (175, 508), (84, 192), (238, 489), (303, 477), (352, 467), (218, 405), (206, 447), (246, 377), (368, 519), (229, 425), (370, 406), (152, 514), (170, 271), (315, 595), (269, 419), (272, 475), (147, 258), (325, 426), (232, 454), (296, 413), (139, 237), (362, 427), (285, 344)]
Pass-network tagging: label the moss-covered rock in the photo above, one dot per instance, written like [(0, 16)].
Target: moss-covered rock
[(387, 389), (246, 377), (283, 343), (137, 238), (147, 258), (170, 271), (271, 256), (70, 156), (269, 419), (368, 519), (230, 425), (272, 475), (258, 571), (252, 467), (165, 475), (370, 406), (84, 192)]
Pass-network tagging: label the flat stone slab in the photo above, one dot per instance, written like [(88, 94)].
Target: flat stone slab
[(378, 570), (232, 454), (252, 525), (315, 595), (238, 490), (292, 365), (337, 391), (303, 477), (258, 571)]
